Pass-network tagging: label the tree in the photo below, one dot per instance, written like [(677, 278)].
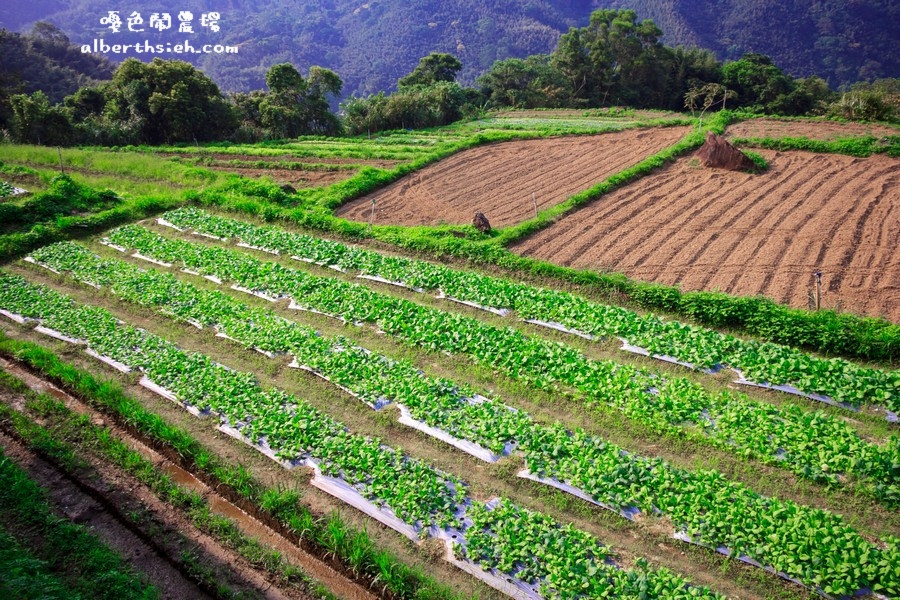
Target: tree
[(757, 81), (34, 121), (168, 101), (615, 58), (431, 69), (703, 98), (296, 106), (28, 113), (529, 83), (877, 101)]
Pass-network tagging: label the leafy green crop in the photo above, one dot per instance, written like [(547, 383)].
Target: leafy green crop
[(415, 491), (810, 444), (842, 380), (710, 509)]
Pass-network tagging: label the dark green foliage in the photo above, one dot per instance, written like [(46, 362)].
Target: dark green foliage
[(46, 60), (35, 121), (26, 577), (525, 83), (616, 59), (431, 69), (412, 107), (841, 42), (167, 101), (877, 101), (296, 106), (760, 85)]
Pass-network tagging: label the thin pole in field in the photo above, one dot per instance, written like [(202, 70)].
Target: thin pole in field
[(818, 276), (372, 216), (61, 168), (534, 203)]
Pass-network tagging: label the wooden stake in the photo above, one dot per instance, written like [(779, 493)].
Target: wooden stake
[(818, 276), (534, 202), (372, 216), (61, 169)]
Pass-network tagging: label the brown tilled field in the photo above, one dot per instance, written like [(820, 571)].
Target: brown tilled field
[(498, 179), (814, 130), (748, 234)]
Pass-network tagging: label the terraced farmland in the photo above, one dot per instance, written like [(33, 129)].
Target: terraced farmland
[(323, 409)]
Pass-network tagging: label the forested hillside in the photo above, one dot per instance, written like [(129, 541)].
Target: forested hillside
[(45, 60), (842, 42), (371, 44)]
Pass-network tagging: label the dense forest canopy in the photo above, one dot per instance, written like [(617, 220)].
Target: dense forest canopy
[(616, 59), (372, 44)]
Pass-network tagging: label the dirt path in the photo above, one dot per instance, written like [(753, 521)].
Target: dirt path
[(335, 582), (73, 503), (499, 179), (749, 234), (814, 130)]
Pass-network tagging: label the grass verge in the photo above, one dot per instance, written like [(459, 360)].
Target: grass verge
[(329, 535)]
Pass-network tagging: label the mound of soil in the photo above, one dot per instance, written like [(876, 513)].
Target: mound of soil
[(481, 222), (718, 153)]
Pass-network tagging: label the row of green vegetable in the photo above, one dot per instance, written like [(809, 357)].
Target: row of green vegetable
[(416, 492), (840, 380), (703, 505), (811, 444)]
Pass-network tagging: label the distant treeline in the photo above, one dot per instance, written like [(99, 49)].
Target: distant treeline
[(615, 60)]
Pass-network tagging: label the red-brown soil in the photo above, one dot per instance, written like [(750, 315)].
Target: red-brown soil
[(296, 178), (749, 234), (327, 160), (498, 179), (814, 130), (567, 113)]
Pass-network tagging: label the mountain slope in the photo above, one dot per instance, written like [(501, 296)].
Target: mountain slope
[(371, 43), (839, 40)]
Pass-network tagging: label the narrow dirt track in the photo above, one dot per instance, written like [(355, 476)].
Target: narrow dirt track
[(499, 179), (814, 130), (748, 234)]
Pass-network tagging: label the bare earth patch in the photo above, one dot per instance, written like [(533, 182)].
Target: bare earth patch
[(748, 234), (296, 178), (814, 130), (499, 179), (326, 160)]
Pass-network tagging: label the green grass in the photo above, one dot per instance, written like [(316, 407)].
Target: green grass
[(134, 165), (25, 576), (864, 146), (86, 565)]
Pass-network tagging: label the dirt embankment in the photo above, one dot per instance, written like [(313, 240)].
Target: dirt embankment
[(499, 179), (749, 234), (814, 130)]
